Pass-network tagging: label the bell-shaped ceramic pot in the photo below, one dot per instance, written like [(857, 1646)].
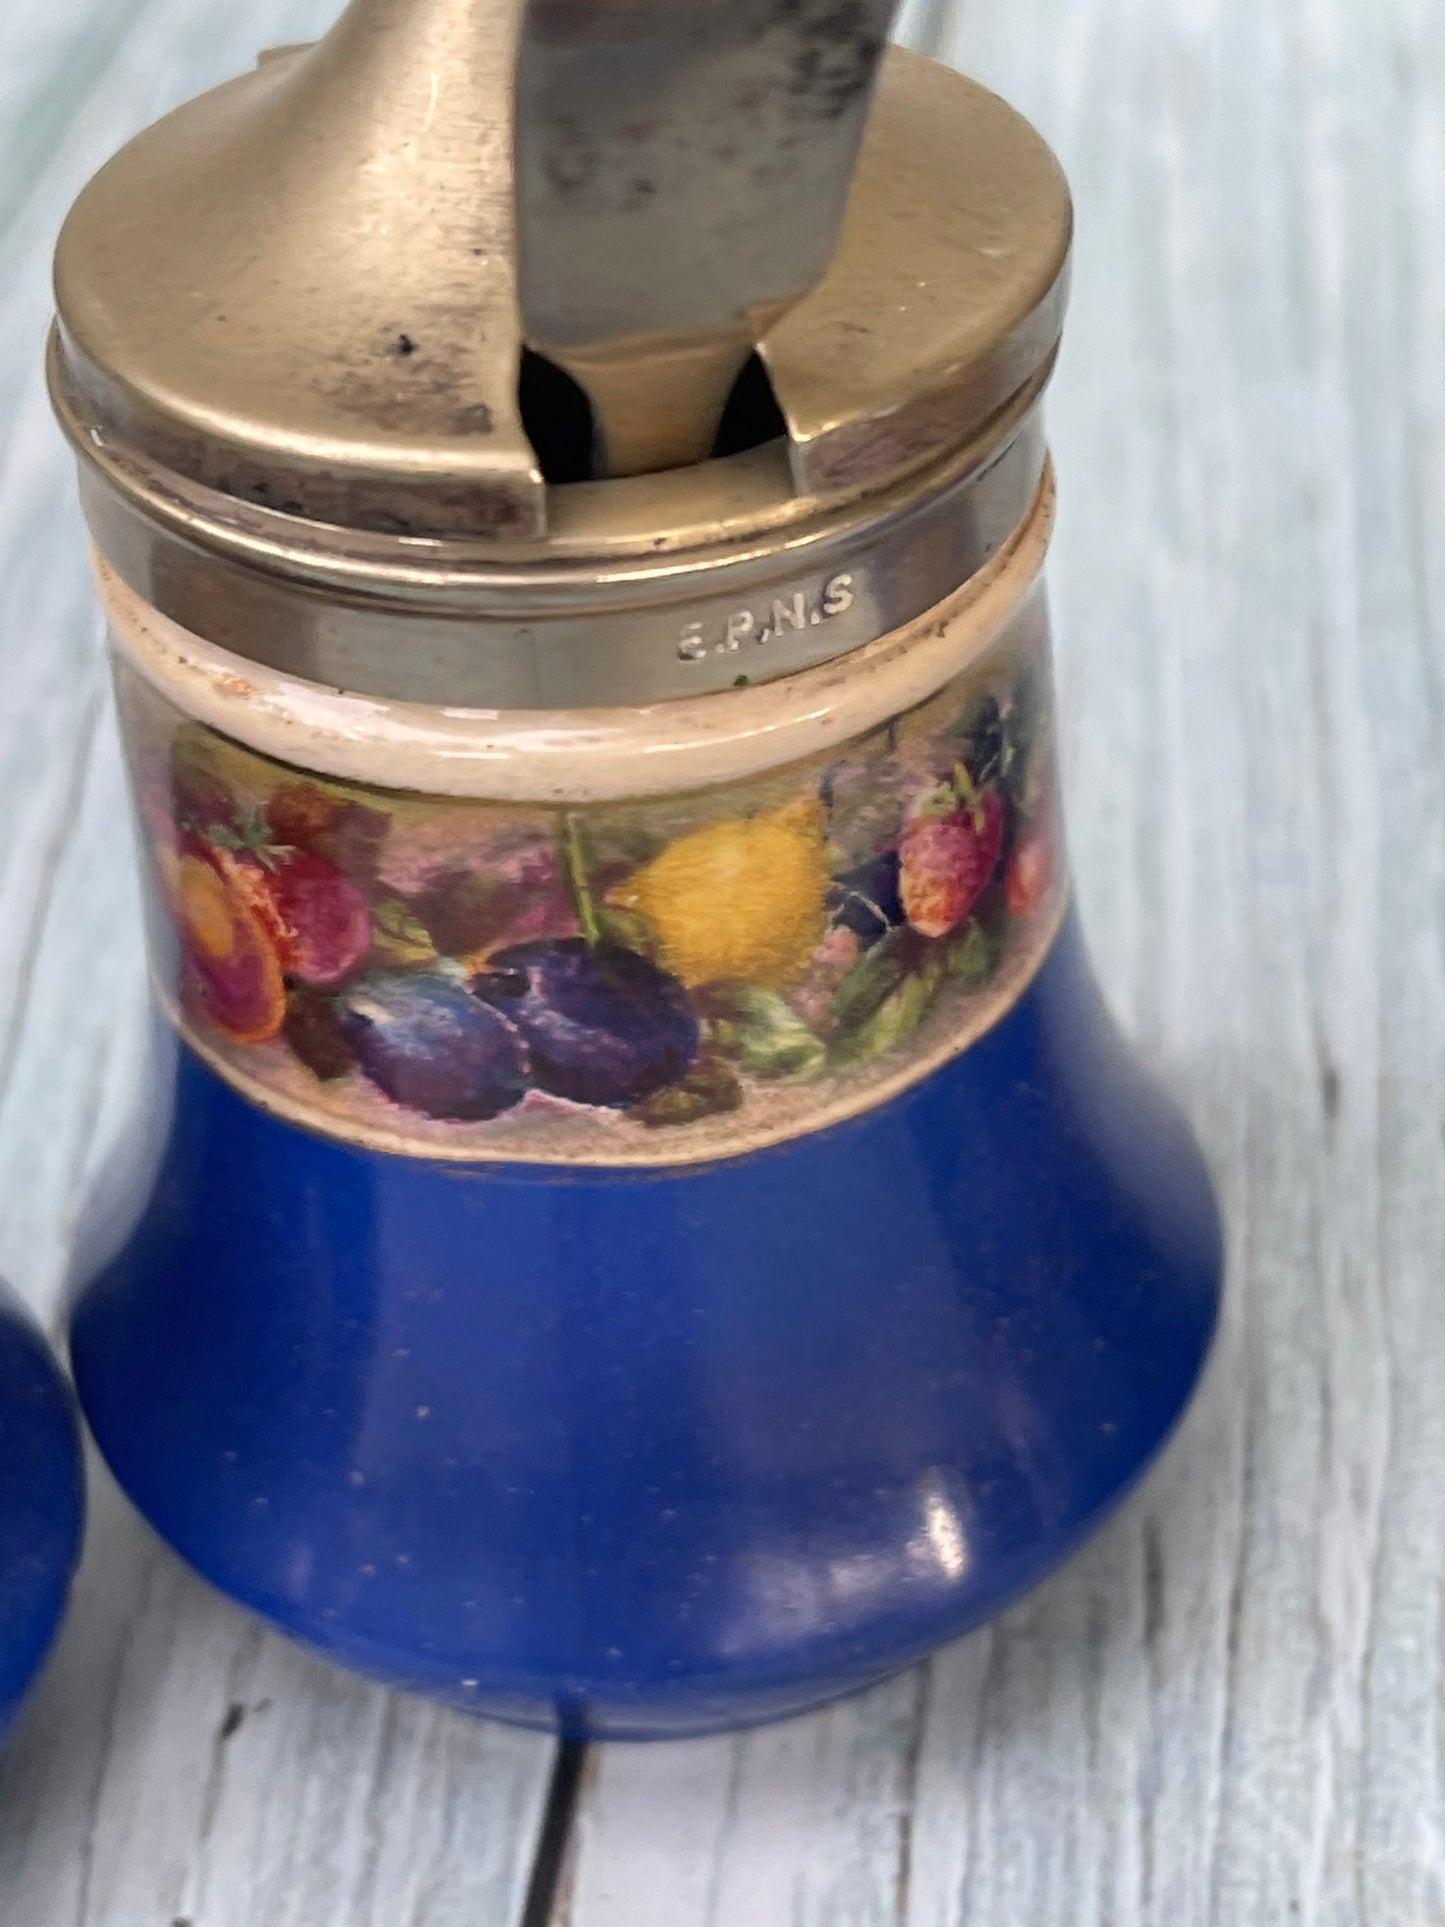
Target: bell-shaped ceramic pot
[(640, 1220), (42, 1502)]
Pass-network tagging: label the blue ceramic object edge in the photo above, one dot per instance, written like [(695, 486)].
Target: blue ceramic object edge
[(42, 1502), (635, 1453)]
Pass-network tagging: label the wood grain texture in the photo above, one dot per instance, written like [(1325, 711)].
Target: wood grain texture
[(178, 1763), (1230, 1709)]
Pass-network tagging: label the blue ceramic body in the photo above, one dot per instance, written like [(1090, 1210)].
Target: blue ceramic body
[(41, 1502), (643, 1453)]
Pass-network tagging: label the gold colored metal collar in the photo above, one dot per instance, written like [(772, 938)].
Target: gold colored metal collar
[(750, 586), (287, 354)]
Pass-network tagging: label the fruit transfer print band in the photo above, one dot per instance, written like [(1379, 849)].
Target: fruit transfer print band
[(643, 983)]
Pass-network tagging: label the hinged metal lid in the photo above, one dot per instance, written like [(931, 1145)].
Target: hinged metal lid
[(293, 312)]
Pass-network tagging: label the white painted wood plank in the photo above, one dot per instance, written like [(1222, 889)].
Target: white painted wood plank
[(920, 23), (1228, 1710), (178, 1763), (796, 1823)]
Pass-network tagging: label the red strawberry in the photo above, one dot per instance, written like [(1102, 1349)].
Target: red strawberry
[(319, 920), (946, 858)]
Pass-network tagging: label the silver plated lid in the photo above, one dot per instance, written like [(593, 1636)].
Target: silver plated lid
[(295, 320)]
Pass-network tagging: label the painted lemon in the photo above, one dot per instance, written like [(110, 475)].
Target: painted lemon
[(740, 898)]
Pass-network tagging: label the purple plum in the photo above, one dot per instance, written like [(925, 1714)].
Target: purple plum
[(601, 1025), (429, 1044)]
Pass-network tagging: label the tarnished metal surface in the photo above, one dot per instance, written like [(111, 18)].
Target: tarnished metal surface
[(291, 326), (560, 636), (300, 289), (682, 169)]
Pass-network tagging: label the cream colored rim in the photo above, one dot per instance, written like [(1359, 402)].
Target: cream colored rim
[(578, 755)]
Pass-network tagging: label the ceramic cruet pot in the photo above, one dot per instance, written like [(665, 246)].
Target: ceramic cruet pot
[(640, 1221), (42, 1501)]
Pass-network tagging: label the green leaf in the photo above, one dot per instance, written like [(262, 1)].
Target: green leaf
[(398, 934), (626, 929), (575, 860), (973, 953), (908, 980), (875, 977), (709, 1090), (756, 1027)]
